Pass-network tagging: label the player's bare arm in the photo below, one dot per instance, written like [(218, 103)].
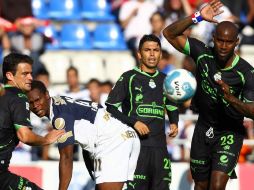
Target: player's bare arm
[(174, 33), (26, 136), (245, 108), (65, 167)]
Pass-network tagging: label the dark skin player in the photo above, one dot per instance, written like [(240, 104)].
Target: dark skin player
[(225, 40)]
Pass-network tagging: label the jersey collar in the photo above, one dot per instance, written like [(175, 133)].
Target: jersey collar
[(144, 73), (51, 114), (235, 61)]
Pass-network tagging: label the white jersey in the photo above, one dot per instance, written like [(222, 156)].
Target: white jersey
[(108, 140)]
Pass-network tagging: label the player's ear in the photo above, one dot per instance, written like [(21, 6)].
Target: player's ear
[(9, 76), (138, 55), (47, 95), (237, 41)]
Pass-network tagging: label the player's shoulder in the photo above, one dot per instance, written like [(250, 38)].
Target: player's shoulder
[(161, 74), (14, 93), (130, 72), (127, 75), (243, 66), (194, 42)]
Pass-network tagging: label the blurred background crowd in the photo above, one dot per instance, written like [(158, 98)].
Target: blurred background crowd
[(81, 47)]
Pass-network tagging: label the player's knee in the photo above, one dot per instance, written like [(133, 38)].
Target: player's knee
[(201, 185), (217, 185)]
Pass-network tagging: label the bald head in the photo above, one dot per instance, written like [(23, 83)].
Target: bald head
[(225, 40), (227, 28)]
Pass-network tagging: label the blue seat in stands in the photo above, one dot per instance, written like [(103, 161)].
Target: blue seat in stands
[(75, 36), (40, 9), (96, 10), (109, 37), (51, 33), (64, 9)]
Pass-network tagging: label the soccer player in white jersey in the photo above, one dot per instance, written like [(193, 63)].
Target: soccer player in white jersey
[(113, 146)]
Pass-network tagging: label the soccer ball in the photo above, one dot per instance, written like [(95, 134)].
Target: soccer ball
[(179, 85)]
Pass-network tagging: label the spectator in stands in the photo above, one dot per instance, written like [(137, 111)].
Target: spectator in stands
[(93, 86), (176, 9), (236, 8), (75, 89), (13, 9), (106, 87), (166, 63), (247, 23), (4, 40), (158, 23), (43, 76), (115, 7), (133, 15), (27, 41), (4, 46)]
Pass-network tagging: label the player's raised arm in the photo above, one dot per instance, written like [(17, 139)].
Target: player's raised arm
[(174, 33)]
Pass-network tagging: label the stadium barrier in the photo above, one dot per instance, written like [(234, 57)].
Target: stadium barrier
[(45, 173)]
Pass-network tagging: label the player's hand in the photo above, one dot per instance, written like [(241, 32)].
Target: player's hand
[(141, 128), (173, 130), (226, 91), (53, 135), (210, 10)]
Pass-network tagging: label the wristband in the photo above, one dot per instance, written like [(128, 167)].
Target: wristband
[(196, 17)]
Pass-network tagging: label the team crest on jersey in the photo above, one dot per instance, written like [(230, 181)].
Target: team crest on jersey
[(217, 76), (209, 133), (59, 123), (152, 83)]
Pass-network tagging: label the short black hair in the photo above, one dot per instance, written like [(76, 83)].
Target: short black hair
[(93, 80), (72, 68), (42, 71), (108, 83), (11, 62), (149, 37), (165, 54), (39, 86), (161, 14)]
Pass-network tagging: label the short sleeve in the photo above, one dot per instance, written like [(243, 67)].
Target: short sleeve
[(248, 90), (20, 112), (66, 122), (195, 48), (172, 111)]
